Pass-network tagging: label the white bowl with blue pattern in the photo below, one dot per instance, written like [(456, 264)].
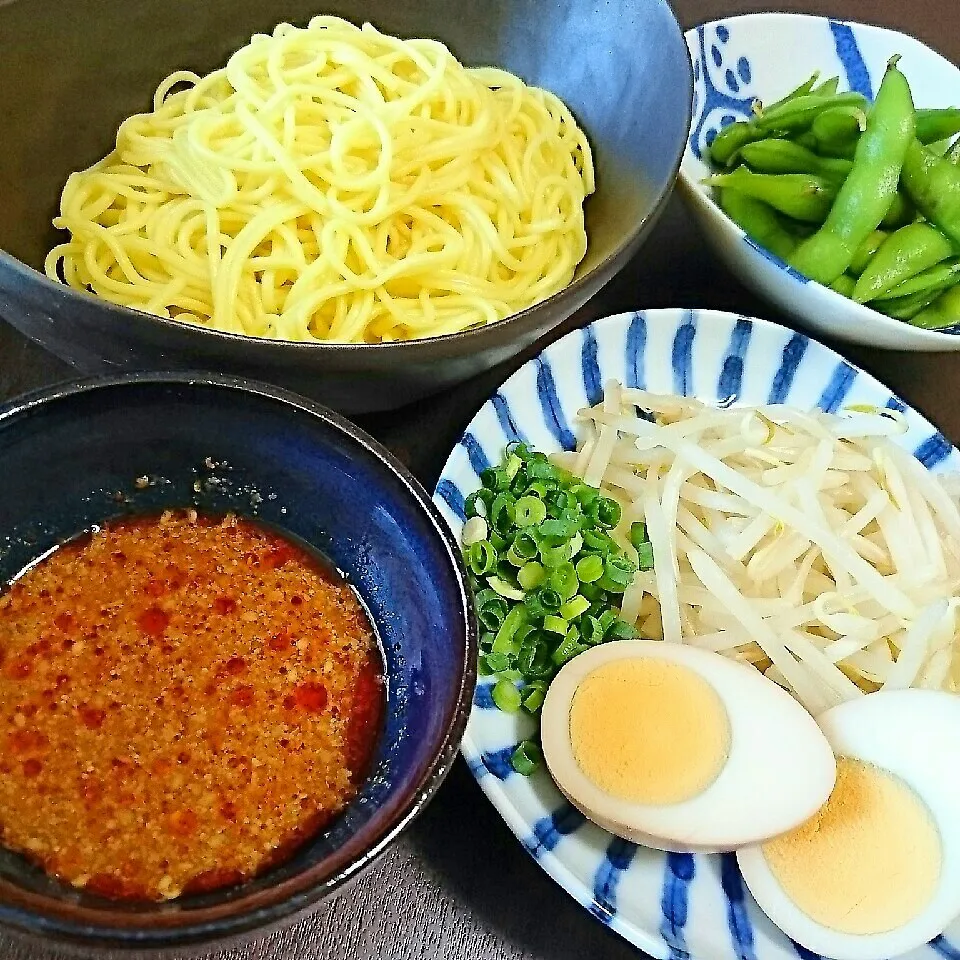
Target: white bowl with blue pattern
[(674, 906), (763, 56)]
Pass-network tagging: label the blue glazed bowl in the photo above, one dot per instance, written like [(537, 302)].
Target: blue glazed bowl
[(71, 456)]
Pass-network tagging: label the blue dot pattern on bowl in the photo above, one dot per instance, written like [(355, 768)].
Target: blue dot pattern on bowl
[(723, 93), (671, 905)]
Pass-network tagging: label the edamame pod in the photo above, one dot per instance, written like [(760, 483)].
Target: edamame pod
[(943, 312), (933, 184), (869, 189), (904, 254), (758, 221), (798, 195)]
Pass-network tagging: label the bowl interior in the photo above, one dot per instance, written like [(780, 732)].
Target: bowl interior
[(763, 56), (71, 461), (71, 72)]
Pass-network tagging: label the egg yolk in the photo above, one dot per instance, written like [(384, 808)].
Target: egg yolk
[(868, 861), (649, 731)]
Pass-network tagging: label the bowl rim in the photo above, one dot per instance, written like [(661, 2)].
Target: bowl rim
[(518, 323), (948, 341), (296, 895)]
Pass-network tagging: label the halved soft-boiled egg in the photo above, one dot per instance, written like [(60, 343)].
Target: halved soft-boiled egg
[(682, 749), (876, 872)]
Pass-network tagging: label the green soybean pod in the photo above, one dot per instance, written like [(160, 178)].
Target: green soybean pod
[(798, 195), (784, 156), (942, 312), (904, 254), (758, 221), (933, 184), (867, 192), (844, 285), (866, 250)]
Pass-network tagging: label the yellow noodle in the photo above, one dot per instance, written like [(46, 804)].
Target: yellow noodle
[(333, 183)]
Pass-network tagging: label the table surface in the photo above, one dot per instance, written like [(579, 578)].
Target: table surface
[(457, 884)]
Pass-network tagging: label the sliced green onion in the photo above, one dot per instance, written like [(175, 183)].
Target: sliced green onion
[(513, 464), (569, 647), (564, 580), (645, 556), (589, 568), (638, 533), (486, 639), (504, 589), (591, 630), (554, 556), (497, 662), (502, 513), (533, 696), (492, 613), (529, 511), (526, 758), (608, 513), (481, 558), (503, 642), (531, 575), (482, 497), (550, 600), (555, 624), (621, 630), (574, 607), (506, 696)]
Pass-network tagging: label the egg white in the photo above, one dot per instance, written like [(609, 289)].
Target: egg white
[(779, 772), (914, 735)]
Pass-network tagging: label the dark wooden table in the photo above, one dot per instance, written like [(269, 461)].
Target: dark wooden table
[(457, 885)]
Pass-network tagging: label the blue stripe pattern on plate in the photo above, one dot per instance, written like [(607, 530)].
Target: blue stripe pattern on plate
[(483, 696), (944, 948), (858, 77), (738, 920), (589, 367), (678, 874), (681, 356), (895, 403), (803, 953), (549, 831), (505, 417), (452, 497), (619, 856), (837, 388), (934, 450), (498, 761), (789, 362), (731, 374), (478, 459), (636, 350), (553, 415)]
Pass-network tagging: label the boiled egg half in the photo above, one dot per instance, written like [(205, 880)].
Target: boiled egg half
[(682, 749), (876, 872)]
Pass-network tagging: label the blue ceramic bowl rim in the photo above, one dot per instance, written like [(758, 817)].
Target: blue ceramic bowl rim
[(304, 895)]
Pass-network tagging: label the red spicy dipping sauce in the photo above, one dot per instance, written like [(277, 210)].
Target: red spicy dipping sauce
[(183, 702)]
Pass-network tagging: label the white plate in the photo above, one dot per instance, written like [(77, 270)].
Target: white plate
[(670, 905)]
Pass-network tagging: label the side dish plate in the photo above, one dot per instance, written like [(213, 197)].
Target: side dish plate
[(669, 905)]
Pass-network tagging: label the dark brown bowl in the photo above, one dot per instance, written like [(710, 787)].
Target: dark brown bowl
[(70, 72)]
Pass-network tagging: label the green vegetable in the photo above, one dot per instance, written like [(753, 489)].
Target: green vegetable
[(526, 758), (785, 156), (547, 575), (799, 195), (933, 280), (942, 312), (901, 211), (839, 128), (801, 112), (828, 87), (905, 253), (844, 285), (934, 125), (758, 221), (905, 308), (933, 184), (866, 250), (506, 696), (867, 192)]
